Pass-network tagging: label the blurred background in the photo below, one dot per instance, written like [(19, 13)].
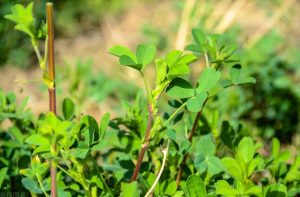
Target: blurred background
[(266, 33)]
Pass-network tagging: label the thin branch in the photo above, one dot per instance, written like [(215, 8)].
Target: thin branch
[(51, 90), (190, 137), (101, 177), (145, 144), (165, 152)]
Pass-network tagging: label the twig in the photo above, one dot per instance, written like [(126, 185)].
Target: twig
[(51, 90), (165, 152), (145, 144), (190, 137)]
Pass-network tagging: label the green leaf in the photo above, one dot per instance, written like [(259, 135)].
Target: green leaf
[(233, 168), (104, 124), (275, 147), (187, 59), (31, 185), (196, 103), (205, 146), (211, 164), (145, 54), (120, 51), (128, 61), (23, 18), (178, 70), (282, 157), (278, 190), (199, 36), (180, 88), (208, 79), (171, 188), (37, 139), (248, 80), (235, 72), (195, 187), (68, 108), (17, 135), (99, 146), (194, 47), (161, 71), (254, 190), (3, 172), (130, 189), (223, 188), (79, 152), (172, 57), (246, 149)]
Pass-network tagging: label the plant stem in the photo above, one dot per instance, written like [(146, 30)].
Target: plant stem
[(101, 177), (174, 114), (190, 137), (145, 144), (165, 152), (51, 90), (40, 183)]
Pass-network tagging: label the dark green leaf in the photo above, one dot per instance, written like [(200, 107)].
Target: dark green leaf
[(3, 172), (68, 108)]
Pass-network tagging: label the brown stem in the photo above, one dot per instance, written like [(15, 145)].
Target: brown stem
[(145, 144), (51, 90), (190, 137)]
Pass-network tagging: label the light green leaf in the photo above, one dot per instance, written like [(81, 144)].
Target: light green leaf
[(248, 80), (187, 59), (145, 54), (79, 152), (104, 124), (196, 103), (246, 149), (254, 190), (178, 70), (235, 72), (23, 18), (130, 189), (161, 70), (36, 139), (195, 187), (233, 168), (180, 88), (172, 57), (208, 79), (120, 51), (275, 147), (223, 188)]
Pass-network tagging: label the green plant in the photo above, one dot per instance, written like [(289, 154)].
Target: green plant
[(122, 156)]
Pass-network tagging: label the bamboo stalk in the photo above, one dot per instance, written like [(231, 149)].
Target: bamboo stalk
[(51, 90)]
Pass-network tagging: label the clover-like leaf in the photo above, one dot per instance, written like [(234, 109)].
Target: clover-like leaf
[(23, 18), (172, 57), (196, 103), (145, 54), (208, 79), (68, 108)]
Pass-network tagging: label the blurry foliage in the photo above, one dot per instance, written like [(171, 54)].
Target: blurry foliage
[(71, 18), (273, 105)]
